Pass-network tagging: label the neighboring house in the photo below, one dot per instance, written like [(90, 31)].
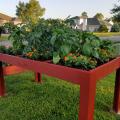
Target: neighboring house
[(92, 24), (16, 21), (85, 24), (4, 18), (8, 19), (80, 22), (89, 24)]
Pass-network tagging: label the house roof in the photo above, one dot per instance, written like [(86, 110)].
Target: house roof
[(93, 21), (15, 19), (5, 17)]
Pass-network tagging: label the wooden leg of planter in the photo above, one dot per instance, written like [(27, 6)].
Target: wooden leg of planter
[(38, 77), (2, 85), (116, 103), (87, 100)]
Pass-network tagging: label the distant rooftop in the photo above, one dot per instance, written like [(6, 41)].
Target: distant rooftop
[(6, 17), (93, 21)]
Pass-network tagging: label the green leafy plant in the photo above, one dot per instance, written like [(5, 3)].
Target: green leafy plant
[(54, 39), (103, 28), (80, 61), (3, 49)]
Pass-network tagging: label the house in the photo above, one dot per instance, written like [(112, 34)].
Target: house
[(16, 21), (85, 24), (93, 24), (8, 19), (4, 19)]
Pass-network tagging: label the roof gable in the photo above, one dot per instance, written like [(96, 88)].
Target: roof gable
[(5, 17), (92, 21)]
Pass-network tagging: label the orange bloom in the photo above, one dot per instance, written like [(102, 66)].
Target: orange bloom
[(74, 57), (65, 58), (70, 54), (29, 54)]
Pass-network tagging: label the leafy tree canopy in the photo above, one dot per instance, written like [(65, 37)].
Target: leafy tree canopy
[(99, 16), (29, 12), (84, 14), (115, 28), (116, 13)]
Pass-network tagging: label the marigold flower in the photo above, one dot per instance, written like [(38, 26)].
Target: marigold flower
[(65, 58), (74, 57), (70, 54)]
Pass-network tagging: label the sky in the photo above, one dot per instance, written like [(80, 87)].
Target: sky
[(63, 8)]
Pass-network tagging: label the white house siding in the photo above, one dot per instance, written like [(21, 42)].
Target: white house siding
[(16, 22), (109, 28), (93, 28), (77, 21), (84, 24)]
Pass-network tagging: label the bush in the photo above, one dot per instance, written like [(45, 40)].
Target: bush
[(103, 28), (2, 49), (115, 28)]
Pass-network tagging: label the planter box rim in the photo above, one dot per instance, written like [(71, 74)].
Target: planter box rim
[(48, 61)]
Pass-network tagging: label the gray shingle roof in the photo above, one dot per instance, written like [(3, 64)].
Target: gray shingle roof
[(93, 21)]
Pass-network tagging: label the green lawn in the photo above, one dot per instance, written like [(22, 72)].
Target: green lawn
[(4, 37), (107, 34), (52, 100)]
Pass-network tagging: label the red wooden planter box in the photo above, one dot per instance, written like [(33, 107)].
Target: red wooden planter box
[(10, 70), (86, 79)]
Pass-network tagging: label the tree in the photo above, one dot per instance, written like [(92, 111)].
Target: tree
[(30, 12), (116, 13), (115, 28), (103, 28), (84, 14), (99, 16)]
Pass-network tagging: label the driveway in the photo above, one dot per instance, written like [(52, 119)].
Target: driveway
[(112, 38)]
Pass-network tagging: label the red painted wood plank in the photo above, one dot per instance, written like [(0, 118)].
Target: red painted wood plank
[(116, 103), (2, 82), (10, 70), (69, 74)]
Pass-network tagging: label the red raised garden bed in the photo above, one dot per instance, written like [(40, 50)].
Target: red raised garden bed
[(86, 79)]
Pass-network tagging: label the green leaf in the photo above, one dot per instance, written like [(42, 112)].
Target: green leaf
[(95, 43), (56, 58), (95, 54), (65, 49), (87, 49), (53, 39)]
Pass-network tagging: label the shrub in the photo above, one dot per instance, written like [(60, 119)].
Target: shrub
[(115, 28), (103, 28), (2, 49)]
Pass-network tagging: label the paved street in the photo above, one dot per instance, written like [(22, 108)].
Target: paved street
[(113, 38), (6, 43)]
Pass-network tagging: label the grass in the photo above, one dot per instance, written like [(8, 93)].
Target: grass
[(4, 37), (52, 100), (107, 34)]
